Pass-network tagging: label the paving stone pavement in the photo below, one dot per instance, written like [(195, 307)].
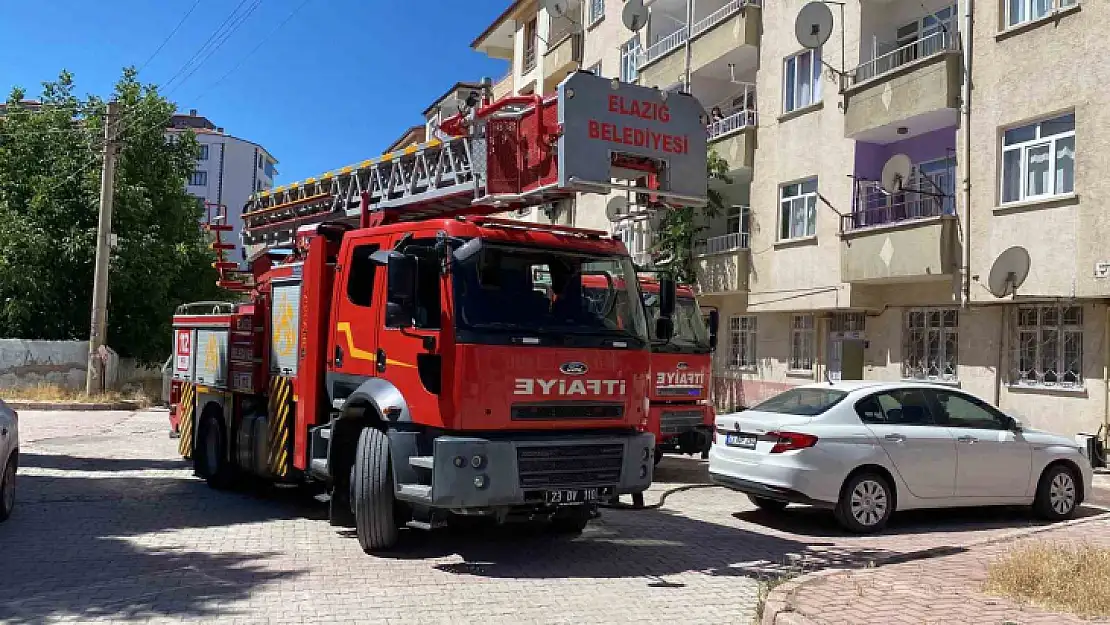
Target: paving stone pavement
[(111, 526)]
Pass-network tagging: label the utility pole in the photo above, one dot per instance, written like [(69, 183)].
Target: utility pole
[(94, 377)]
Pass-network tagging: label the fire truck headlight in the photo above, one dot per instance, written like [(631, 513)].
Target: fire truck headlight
[(478, 461), (460, 462), (480, 481), (643, 471), (645, 454)]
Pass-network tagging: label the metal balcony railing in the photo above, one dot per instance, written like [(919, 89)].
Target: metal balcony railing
[(669, 43), (739, 112), (930, 45), (529, 59), (723, 243), (875, 207)]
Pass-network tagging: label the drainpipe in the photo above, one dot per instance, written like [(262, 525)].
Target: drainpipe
[(965, 104), (1106, 380), (689, 36)]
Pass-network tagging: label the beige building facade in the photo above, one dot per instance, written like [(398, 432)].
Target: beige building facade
[(821, 267)]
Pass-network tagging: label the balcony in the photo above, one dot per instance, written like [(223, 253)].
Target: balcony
[(503, 87), (911, 89), (728, 33), (563, 57), (732, 133), (722, 264), (899, 237)]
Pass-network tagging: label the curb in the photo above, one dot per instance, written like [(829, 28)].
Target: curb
[(75, 406), (777, 608)]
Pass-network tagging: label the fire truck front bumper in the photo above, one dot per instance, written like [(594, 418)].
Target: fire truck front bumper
[(473, 472)]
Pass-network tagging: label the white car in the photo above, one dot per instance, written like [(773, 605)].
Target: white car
[(9, 458), (865, 449)]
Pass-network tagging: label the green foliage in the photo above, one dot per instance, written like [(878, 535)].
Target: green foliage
[(50, 164), (678, 228)]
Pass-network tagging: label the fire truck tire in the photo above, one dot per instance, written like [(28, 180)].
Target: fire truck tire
[(372, 492), (210, 458), (658, 455)]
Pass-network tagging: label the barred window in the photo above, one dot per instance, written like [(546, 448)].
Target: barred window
[(1048, 346), (741, 334), (930, 344), (801, 343)]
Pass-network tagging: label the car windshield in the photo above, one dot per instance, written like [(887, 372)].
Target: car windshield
[(689, 327), (808, 402), (546, 291)]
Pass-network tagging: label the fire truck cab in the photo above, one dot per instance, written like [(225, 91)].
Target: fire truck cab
[(421, 360)]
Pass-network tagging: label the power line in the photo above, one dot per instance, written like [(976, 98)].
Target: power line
[(231, 30), (205, 46), (168, 37)]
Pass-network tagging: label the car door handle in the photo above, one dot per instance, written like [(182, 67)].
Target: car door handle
[(895, 438), (967, 439)]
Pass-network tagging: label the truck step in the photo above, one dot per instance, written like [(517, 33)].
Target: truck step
[(415, 492), (422, 462), (318, 467), (323, 497), (424, 525)]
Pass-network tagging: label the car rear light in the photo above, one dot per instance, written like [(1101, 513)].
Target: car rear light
[(789, 441)]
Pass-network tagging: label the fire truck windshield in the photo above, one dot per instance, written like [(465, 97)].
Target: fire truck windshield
[(690, 333), (511, 291)]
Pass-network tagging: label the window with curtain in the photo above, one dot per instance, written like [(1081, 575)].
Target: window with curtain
[(1038, 160), (630, 57), (802, 343), (1047, 346), (742, 335), (801, 80), (798, 210), (1020, 11)]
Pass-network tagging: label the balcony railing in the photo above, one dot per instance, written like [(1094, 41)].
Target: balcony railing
[(739, 113), (529, 59), (671, 42), (876, 207), (724, 243), (932, 44), (743, 118)]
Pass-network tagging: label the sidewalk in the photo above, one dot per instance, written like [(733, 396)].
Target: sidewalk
[(946, 589)]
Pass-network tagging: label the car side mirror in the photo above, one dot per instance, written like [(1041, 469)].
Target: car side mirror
[(1012, 424), (714, 325), (400, 305)]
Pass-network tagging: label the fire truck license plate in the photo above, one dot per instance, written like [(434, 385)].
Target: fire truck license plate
[(583, 495)]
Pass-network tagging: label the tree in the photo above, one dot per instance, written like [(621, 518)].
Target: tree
[(50, 164), (679, 227)]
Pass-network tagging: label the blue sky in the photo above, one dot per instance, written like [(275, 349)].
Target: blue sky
[(335, 85)]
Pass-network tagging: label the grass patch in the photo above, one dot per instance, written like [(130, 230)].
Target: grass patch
[(55, 393), (766, 585), (1072, 578)]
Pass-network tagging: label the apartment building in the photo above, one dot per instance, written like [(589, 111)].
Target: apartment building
[(229, 169), (817, 269)]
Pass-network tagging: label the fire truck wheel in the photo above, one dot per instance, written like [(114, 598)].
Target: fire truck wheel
[(372, 492), (658, 455), (211, 453)]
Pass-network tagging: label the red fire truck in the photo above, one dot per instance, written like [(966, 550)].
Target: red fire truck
[(394, 347)]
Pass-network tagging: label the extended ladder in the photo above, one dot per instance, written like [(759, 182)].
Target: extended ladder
[(231, 277)]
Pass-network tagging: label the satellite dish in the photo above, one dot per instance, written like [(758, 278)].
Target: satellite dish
[(634, 15), (813, 26), (1009, 271), (896, 173), (556, 8), (616, 209)]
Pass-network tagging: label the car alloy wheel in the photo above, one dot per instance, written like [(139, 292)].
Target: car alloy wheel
[(869, 502), (1061, 493)]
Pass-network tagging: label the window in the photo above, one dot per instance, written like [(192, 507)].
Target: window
[(961, 411), (1038, 160), (741, 335), (930, 344), (801, 80), (798, 210), (738, 220), (202, 152), (801, 343), (360, 275), (198, 179), (1048, 346), (597, 11), (899, 407), (595, 69), (530, 39), (630, 59), (427, 314), (1021, 11), (636, 235), (808, 402)]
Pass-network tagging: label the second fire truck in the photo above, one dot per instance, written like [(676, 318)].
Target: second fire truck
[(394, 347)]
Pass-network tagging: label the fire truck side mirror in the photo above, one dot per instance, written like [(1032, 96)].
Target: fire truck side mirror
[(400, 291), (714, 324), (664, 324)]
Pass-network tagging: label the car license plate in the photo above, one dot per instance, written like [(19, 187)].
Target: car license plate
[(582, 495), (740, 439)]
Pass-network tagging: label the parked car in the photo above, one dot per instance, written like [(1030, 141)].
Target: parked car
[(9, 458), (865, 449)]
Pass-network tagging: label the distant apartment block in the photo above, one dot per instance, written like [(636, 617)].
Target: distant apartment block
[(229, 169)]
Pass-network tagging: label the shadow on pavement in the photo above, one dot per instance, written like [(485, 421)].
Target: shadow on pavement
[(74, 547), (65, 462), (681, 470), (814, 522)]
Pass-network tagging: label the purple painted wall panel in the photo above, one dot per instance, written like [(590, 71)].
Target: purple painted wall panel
[(870, 157)]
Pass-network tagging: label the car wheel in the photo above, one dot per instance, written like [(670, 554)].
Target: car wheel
[(866, 503), (1057, 494), (7, 490), (768, 505)]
